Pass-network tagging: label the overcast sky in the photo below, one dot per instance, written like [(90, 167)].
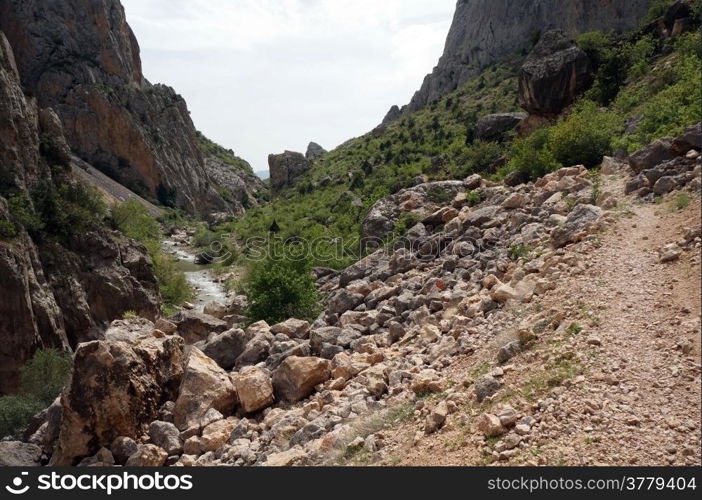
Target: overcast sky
[(262, 76)]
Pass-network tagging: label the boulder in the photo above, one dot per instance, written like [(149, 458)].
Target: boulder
[(217, 434), (205, 385), (216, 310), (490, 426), (575, 227), (554, 74), (18, 454), (122, 448), (226, 347), (254, 389), (165, 435), (485, 387), (664, 185), (690, 139), (493, 127), (343, 300), (293, 328), (148, 455), (651, 155), (194, 326), (296, 377), (115, 389)]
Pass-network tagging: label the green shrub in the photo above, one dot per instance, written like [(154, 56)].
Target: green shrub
[(16, 412), (172, 283), (656, 10), (43, 378), (69, 208), (682, 201), (473, 197), (531, 156), (7, 230), (45, 374), (584, 136), (22, 213), (133, 220), (282, 287)]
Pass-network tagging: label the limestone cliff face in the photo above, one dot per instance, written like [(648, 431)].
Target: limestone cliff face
[(81, 58), (53, 294), (484, 31)]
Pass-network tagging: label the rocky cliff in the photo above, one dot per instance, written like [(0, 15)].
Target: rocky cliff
[(484, 31), (81, 58), (56, 288)]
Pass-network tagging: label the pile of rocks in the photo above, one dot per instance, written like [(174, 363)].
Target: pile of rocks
[(200, 390)]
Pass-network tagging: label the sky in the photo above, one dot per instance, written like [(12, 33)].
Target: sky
[(263, 76)]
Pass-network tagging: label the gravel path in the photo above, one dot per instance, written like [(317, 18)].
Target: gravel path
[(631, 394)]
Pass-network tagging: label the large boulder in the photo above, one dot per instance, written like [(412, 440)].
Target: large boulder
[(651, 155), (116, 387), (285, 168), (493, 127), (205, 385), (553, 75), (226, 347), (18, 454), (575, 226), (296, 377), (690, 139), (194, 326), (254, 388)]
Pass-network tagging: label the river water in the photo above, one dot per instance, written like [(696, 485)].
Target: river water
[(201, 279)]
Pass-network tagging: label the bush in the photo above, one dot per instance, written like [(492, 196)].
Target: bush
[(133, 220), (43, 378), (282, 287), (15, 414), (45, 374), (531, 157), (7, 229), (584, 136), (22, 213), (69, 208)]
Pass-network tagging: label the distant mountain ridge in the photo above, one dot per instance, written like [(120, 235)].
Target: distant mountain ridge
[(485, 31)]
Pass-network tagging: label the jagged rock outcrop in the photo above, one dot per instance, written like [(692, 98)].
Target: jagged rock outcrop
[(485, 31), (285, 168), (116, 388), (393, 114), (81, 58), (233, 176), (314, 151), (493, 127), (554, 74), (53, 294)]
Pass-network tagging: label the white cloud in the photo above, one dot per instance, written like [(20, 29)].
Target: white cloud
[(261, 76)]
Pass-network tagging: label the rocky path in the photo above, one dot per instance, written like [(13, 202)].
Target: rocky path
[(640, 399), (626, 356)]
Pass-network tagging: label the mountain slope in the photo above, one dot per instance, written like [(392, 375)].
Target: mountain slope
[(81, 58), (484, 31)]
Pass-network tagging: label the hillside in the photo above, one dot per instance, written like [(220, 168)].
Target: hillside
[(508, 275), (636, 76)]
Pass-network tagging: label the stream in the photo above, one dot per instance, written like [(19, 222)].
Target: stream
[(200, 278)]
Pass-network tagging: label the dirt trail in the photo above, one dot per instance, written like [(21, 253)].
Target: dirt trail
[(632, 391)]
